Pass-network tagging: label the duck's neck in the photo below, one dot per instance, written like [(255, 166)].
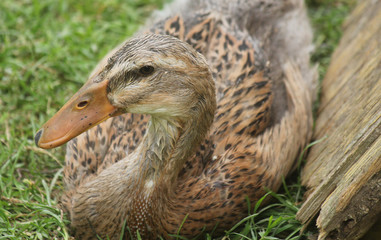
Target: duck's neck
[(168, 143), (156, 150), (155, 165)]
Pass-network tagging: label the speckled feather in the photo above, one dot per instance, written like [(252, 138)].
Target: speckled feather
[(251, 144)]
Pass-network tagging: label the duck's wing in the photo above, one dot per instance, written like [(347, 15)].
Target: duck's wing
[(243, 166)]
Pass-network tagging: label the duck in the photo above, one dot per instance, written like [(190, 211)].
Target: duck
[(176, 129)]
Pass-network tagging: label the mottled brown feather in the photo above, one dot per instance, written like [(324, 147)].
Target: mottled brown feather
[(244, 151)]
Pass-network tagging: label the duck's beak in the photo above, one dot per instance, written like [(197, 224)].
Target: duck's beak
[(87, 108)]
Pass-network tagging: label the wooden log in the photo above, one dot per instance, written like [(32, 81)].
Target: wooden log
[(343, 172)]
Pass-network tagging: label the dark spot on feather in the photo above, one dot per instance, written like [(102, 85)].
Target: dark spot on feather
[(240, 205), (260, 177), (227, 38), (238, 92), (236, 176), (113, 137), (238, 113), (241, 131), (238, 56), (99, 130), (248, 61), (225, 57), (219, 67), (175, 25), (220, 115), (235, 124), (259, 85), (75, 148), (256, 121), (207, 25), (197, 36), (252, 72), (240, 78), (260, 103), (243, 46)]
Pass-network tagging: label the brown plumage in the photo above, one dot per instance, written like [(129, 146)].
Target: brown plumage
[(198, 132)]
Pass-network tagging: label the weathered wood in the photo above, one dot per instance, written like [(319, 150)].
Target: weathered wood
[(343, 172)]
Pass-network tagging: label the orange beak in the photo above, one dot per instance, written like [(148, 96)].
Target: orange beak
[(87, 108)]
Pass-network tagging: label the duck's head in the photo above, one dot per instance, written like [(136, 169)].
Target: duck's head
[(153, 74)]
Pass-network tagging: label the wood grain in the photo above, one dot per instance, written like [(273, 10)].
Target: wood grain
[(343, 172)]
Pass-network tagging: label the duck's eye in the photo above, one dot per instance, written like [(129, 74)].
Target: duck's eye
[(146, 70)]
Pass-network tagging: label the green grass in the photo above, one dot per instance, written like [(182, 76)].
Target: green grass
[(47, 49), (327, 17)]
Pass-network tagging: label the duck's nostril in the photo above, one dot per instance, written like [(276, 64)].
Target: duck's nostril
[(38, 136), (82, 104)]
